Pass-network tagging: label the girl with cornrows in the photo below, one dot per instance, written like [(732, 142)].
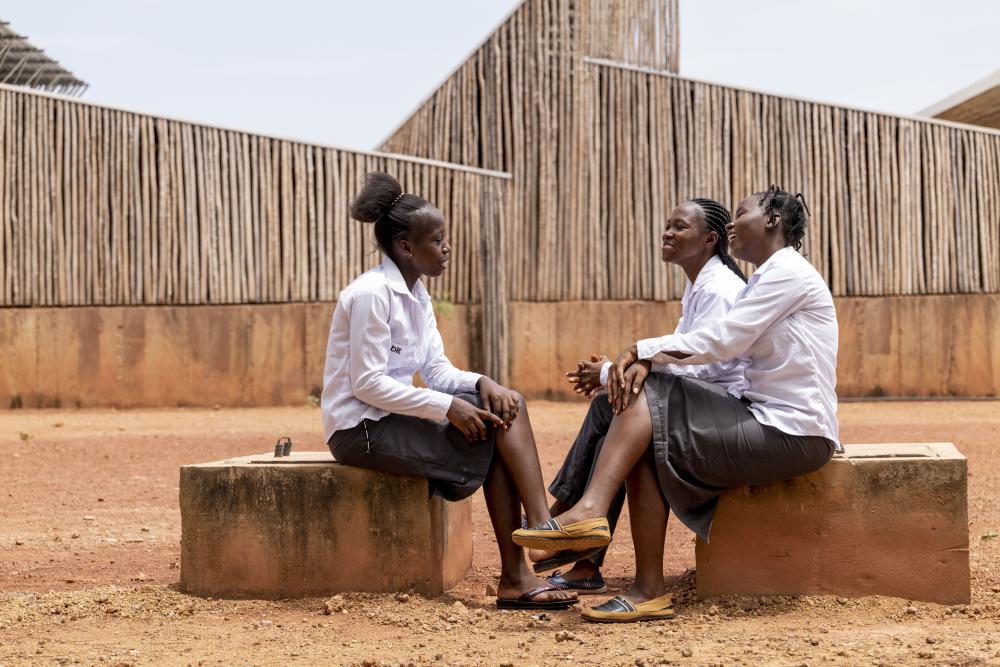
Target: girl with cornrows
[(463, 430), (694, 238), (681, 442)]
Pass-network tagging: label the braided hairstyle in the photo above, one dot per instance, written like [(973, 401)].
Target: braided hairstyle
[(383, 202), (717, 217), (793, 211)]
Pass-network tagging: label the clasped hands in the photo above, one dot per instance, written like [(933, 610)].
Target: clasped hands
[(626, 376)]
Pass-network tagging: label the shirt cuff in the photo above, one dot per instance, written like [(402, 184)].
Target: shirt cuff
[(662, 367), (604, 373), (650, 347), (468, 381), (438, 405)]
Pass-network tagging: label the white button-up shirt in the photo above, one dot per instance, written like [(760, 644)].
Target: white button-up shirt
[(381, 334), (708, 298), (784, 324)]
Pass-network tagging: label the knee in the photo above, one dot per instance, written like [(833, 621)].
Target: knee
[(601, 406), (522, 405)]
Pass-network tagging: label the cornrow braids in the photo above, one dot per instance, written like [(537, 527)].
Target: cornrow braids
[(717, 217), (793, 211)]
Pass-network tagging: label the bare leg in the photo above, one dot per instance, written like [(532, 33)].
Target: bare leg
[(627, 440), (648, 514), (504, 505), (519, 453)]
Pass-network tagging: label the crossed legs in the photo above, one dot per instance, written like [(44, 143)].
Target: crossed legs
[(627, 457)]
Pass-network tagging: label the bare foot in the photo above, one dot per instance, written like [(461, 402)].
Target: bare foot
[(517, 584), (537, 555), (579, 513), (637, 593)]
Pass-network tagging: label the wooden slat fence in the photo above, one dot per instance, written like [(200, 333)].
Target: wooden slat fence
[(899, 205), (106, 207)]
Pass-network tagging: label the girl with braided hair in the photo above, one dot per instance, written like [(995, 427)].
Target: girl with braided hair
[(695, 239), (679, 443), (462, 430)]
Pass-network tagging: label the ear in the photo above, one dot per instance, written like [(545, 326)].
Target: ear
[(711, 239), (774, 222), (404, 247)]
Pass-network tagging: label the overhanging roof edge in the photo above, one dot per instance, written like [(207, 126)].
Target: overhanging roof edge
[(963, 95)]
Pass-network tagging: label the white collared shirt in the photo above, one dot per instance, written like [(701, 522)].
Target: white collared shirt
[(707, 299), (381, 334), (784, 324)]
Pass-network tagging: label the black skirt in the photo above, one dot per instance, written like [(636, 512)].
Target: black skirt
[(706, 441), (405, 445)]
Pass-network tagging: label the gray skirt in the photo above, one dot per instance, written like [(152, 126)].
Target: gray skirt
[(706, 441), (405, 445)]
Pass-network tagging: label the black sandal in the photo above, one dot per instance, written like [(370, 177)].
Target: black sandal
[(527, 601), (564, 558)]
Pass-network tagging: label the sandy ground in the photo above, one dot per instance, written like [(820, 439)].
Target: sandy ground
[(89, 549)]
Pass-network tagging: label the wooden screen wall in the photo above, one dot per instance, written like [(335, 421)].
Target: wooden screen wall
[(106, 207), (899, 206), (517, 105)]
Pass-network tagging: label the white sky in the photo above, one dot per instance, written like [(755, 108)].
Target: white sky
[(346, 73)]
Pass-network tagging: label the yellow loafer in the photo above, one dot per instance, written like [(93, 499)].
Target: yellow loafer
[(621, 609), (576, 536)]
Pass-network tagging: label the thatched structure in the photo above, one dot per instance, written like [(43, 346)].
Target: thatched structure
[(23, 64)]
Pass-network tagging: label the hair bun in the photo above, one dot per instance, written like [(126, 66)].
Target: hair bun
[(380, 194)]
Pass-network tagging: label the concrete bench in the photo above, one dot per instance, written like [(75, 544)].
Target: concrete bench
[(880, 520), (304, 525)]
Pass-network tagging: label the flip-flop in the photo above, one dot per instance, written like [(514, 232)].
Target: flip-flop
[(581, 535), (527, 601), (589, 586), (620, 609), (564, 558)]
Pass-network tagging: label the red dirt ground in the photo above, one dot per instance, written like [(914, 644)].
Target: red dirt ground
[(89, 549)]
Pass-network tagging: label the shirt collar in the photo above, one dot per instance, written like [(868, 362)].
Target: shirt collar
[(705, 275), (398, 284), (776, 259)]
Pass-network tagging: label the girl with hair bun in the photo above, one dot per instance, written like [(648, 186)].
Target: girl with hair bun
[(463, 430), (679, 443)]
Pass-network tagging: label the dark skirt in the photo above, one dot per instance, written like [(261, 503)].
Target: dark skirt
[(405, 445), (706, 441)]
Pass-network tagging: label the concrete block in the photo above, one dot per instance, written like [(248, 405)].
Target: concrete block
[(304, 526), (888, 519)]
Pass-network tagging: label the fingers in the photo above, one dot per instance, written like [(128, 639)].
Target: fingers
[(466, 430), (500, 409), (595, 358), (485, 418), (630, 389), (478, 427), (630, 384), (509, 410)]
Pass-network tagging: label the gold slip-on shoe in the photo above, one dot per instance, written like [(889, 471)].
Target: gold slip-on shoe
[(550, 535), (620, 609)]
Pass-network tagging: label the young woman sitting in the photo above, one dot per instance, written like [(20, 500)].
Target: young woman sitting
[(463, 430), (695, 239)]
